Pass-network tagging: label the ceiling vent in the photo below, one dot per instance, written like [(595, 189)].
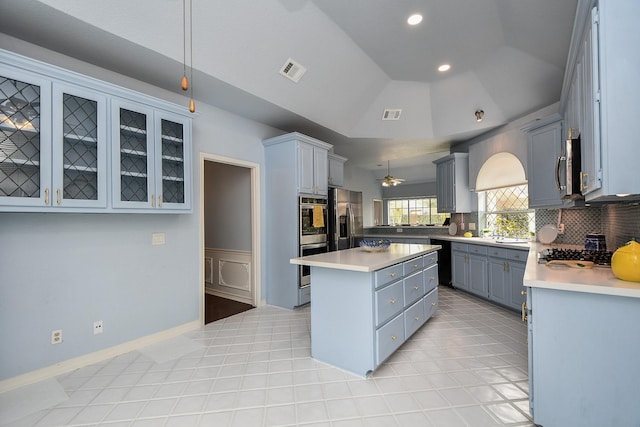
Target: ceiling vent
[(292, 70), (391, 114)]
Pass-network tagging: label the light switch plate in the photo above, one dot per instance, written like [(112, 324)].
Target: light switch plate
[(157, 239)]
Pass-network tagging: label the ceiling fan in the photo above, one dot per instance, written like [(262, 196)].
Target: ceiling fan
[(389, 181)]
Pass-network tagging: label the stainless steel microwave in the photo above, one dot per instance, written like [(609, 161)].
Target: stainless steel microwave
[(568, 178)]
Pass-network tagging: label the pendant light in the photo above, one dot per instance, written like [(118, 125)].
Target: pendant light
[(187, 83), (192, 103)]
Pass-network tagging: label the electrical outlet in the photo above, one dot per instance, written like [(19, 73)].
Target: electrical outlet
[(97, 327), (56, 336), (399, 230), (157, 239), (560, 228), (472, 226)]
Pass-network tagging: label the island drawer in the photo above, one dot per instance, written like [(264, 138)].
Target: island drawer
[(498, 252), (413, 265), (388, 275), (478, 249), (413, 288), (430, 278), (389, 338), (516, 255), (430, 304), (414, 318), (388, 302), (430, 259)]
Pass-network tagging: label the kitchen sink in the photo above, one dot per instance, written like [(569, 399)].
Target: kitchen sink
[(511, 240)]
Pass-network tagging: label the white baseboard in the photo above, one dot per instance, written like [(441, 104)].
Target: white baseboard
[(98, 356)]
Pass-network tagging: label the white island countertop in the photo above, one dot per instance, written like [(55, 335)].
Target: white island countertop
[(358, 259), (596, 280)]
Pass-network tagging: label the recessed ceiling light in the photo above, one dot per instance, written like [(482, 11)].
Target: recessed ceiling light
[(444, 67), (414, 19)]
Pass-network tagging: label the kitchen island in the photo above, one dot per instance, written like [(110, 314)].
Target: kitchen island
[(364, 305), (584, 329)]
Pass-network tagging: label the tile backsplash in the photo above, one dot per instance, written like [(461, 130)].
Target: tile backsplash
[(618, 222)]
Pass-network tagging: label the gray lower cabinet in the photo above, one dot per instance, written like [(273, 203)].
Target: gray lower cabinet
[(359, 319), (489, 272), (581, 373), (469, 268)]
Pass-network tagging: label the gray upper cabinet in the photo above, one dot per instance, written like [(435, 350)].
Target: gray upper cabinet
[(53, 145), (80, 147), (150, 152), (25, 135), (599, 97), (312, 169), (452, 181), (336, 170), (60, 131), (544, 146)]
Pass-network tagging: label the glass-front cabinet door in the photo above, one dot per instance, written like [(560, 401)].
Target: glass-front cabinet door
[(172, 155), (25, 139), (133, 182), (79, 148)]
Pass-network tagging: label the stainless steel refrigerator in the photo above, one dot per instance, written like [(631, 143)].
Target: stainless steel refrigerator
[(345, 218)]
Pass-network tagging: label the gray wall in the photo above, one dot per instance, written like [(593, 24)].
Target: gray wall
[(358, 179), (64, 271), (508, 138), (227, 208)]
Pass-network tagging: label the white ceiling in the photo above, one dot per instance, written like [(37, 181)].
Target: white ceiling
[(507, 57)]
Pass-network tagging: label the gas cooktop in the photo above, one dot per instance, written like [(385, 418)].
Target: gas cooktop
[(599, 258)]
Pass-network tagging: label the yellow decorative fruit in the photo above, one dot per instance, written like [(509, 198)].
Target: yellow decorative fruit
[(625, 262), (468, 234)]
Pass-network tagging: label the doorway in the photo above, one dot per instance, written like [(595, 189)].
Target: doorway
[(229, 237)]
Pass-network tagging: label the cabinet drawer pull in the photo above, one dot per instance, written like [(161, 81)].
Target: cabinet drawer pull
[(153, 200), (393, 337), (392, 274), (416, 287), (523, 292), (46, 196), (433, 304), (417, 317), (58, 196), (393, 301), (160, 201), (415, 265)]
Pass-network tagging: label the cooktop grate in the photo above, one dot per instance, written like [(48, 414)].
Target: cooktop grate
[(601, 258)]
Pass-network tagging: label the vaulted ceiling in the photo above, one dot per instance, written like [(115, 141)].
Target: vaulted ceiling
[(507, 58)]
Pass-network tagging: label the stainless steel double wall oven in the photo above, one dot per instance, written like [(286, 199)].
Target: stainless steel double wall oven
[(313, 234)]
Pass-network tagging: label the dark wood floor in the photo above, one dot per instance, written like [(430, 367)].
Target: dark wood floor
[(216, 308)]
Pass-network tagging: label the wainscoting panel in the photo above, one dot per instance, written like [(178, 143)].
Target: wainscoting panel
[(228, 274)]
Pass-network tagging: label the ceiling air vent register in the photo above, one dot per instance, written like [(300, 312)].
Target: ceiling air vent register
[(293, 70), (391, 114)]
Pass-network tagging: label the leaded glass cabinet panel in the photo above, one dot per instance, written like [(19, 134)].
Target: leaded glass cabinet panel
[(132, 156), (25, 145), (172, 156), (79, 157)]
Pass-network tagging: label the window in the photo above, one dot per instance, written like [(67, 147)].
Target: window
[(506, 212), (420, 211)]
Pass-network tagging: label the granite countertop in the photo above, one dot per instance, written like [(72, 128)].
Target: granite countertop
[(357, 259), (596, 280), (475, 240)]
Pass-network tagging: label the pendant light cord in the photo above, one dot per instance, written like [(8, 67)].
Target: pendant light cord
[(192, 105)]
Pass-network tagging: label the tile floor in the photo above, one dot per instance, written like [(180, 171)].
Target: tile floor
[(466, 367)]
